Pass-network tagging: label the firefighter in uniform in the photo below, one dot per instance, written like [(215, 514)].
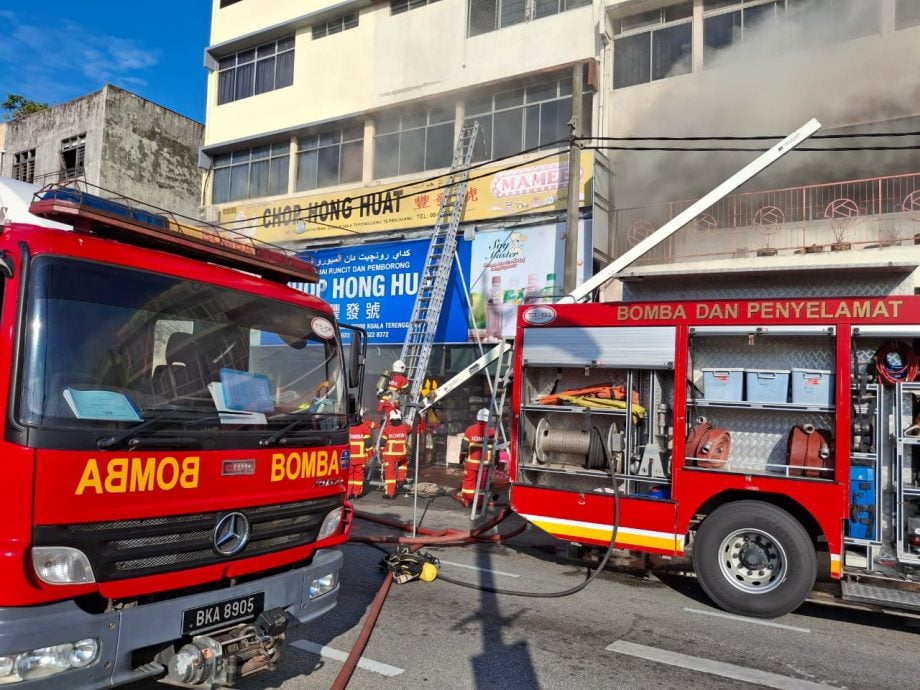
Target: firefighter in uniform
[(394, 453), (359, 436), (390, 388), (472, 451)]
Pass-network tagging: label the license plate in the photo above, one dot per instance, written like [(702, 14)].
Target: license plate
[(223, 613)]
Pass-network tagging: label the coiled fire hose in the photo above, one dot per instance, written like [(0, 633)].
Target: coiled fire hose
[(896, 363)]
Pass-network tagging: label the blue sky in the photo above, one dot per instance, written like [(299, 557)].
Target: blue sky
[(52, 51)]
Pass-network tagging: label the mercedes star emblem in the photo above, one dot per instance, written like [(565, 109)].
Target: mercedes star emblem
[(231, 534)]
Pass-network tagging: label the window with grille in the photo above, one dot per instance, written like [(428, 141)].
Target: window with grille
[(330, 158), (806, 22), (257, 70), (335, 26), (73, 155), (414, 140), (400, 6), (652, 45), (491, 15), (251, 173), (24, 166), (520, 119)]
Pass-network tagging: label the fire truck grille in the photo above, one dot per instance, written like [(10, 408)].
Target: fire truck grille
[(152, 546)]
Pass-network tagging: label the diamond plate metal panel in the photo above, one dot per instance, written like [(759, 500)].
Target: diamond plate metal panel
[(763, 352), (759, 437)]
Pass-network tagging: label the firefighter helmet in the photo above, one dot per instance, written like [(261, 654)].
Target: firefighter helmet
[(395, 416), (399, 367), (429, 572), (483, 415)]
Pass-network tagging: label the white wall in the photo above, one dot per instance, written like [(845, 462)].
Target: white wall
[(390, 59)]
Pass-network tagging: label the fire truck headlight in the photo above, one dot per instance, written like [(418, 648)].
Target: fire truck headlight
[(47, 661), (330, 525), (7, 664), (323, 585), (84, 652), (62, 565)]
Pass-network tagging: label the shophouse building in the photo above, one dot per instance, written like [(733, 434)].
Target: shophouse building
[(110, 141), (331, 126)]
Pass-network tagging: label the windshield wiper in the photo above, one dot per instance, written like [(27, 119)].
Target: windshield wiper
[(162, 415), (280, 437)]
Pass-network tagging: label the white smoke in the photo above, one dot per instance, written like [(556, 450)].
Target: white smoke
[(785, 71)]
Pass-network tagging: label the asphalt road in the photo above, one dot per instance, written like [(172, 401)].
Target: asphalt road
[(625, 629)]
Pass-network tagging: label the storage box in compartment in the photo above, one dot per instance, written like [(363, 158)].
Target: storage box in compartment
[(812, 387), (723, 384), (861, 523), (767, 385)]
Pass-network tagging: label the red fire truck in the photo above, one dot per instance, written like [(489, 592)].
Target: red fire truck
[(175, 483), (776, 441)]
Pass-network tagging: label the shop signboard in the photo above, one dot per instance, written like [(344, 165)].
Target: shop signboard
[(514, 266), (496, 191), (374, 286)]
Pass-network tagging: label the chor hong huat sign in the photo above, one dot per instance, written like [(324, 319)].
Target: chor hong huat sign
[(533, 187), (374, 286)]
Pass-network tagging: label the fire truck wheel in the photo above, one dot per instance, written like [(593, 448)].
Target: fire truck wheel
[(754, 559)]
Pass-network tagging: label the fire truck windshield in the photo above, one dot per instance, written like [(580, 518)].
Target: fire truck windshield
[(109, 349)]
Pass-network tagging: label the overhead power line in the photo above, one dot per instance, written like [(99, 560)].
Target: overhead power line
[(758, 137), (420, 185), (730, 149)]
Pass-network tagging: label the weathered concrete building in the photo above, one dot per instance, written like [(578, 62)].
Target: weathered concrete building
[(114, 140)]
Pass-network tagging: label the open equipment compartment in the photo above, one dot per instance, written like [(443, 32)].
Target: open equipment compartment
[(580, 442), (760, 423)]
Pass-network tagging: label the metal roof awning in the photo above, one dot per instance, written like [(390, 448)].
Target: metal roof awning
[(885, 260)]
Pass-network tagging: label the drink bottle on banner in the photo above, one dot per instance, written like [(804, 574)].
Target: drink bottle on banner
[(549, 290), (514, 294), (494, 309), (532, 293)]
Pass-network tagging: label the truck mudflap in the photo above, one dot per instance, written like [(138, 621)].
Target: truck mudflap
[(202, 640)]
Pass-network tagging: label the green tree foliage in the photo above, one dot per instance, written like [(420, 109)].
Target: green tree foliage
[(18, 107)]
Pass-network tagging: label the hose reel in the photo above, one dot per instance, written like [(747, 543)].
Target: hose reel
[(581, 445)]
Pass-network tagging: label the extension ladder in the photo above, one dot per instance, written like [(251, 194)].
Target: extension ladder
[(416, 350), (504, 372), (423, 323)]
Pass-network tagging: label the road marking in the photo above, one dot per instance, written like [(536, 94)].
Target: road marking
[(715, 668), (473, 567), (329, 652), (745, 619)]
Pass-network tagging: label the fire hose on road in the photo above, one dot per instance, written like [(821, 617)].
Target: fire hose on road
[(446, 536), (407, 557)]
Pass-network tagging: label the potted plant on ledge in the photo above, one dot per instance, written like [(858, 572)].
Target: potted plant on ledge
[(842, 213)]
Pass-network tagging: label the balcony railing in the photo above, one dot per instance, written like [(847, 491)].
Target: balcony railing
[(865, 213)]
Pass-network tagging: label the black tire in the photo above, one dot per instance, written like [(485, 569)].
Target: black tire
[(754, 559)]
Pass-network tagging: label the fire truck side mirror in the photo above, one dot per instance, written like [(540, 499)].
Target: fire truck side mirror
[(356, 356)]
